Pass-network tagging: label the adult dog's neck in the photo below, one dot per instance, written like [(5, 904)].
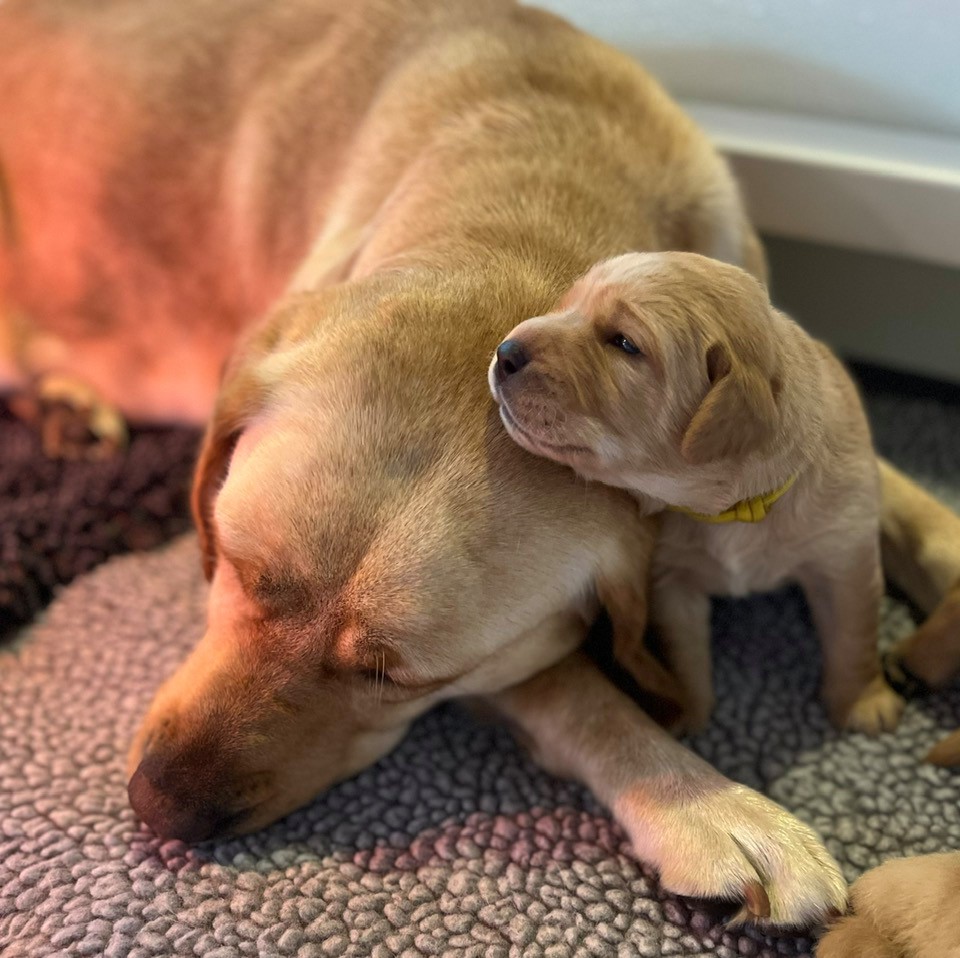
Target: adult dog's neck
[(492, 173)]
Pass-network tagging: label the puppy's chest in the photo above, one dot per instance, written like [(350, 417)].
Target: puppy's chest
[(732, 559)]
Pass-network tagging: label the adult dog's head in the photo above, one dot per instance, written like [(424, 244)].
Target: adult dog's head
[(664, 373), (374, 543)]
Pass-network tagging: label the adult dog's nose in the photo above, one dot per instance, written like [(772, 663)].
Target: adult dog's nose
[(511, 358), (182, 813)]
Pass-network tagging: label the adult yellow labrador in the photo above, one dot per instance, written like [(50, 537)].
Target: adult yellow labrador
[(389, 186)]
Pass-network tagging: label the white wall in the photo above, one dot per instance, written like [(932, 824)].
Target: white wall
[(841, 117), (892, 62), (842, 121)]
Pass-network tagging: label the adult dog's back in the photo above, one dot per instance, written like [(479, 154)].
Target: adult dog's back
[(167, 167)]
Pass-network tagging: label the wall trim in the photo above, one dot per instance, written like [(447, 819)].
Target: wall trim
[(881, 190)]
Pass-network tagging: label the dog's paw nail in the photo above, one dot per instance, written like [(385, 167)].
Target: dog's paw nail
[(757, 900), (739, 919)]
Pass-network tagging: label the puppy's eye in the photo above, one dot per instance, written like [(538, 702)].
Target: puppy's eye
[(624, 344)]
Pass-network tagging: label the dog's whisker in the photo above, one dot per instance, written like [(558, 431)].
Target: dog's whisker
[(382, 675)]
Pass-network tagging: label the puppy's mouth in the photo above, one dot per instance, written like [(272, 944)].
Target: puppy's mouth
[(534, 443)]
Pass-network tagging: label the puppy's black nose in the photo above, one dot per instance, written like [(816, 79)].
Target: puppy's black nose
[(511, 358)]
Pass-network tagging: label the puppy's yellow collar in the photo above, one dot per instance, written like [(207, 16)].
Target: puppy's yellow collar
[(755, 509)]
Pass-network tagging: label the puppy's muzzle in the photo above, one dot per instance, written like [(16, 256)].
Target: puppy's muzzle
[(511, 358), (178, 805)]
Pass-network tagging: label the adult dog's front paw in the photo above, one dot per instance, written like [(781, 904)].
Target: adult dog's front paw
[(74, 422), (723, 840)]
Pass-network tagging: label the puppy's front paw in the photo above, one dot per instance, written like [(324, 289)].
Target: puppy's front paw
[(877, 709), (730, 842)]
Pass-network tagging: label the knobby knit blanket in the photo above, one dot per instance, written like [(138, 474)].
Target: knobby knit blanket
[(456, 843)]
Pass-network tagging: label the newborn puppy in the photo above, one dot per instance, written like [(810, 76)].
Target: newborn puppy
[(670, 374), (905, 908)]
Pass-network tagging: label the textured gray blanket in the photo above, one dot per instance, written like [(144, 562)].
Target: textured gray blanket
[(455, 844)]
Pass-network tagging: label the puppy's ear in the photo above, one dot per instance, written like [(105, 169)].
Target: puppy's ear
[(738, 414)]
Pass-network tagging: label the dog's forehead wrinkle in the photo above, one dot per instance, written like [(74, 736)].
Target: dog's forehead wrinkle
[(397, 561)]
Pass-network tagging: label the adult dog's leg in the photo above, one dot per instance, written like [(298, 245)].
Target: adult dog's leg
[(707, 835)]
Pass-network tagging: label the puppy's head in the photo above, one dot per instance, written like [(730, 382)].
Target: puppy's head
[(652, 367), (351, 498)]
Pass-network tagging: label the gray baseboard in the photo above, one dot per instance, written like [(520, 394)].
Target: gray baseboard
[(882, 310)]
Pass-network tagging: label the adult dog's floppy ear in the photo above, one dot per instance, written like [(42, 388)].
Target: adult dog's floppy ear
[(242, 393), (240, 396), (236, 403), (738, 415)]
